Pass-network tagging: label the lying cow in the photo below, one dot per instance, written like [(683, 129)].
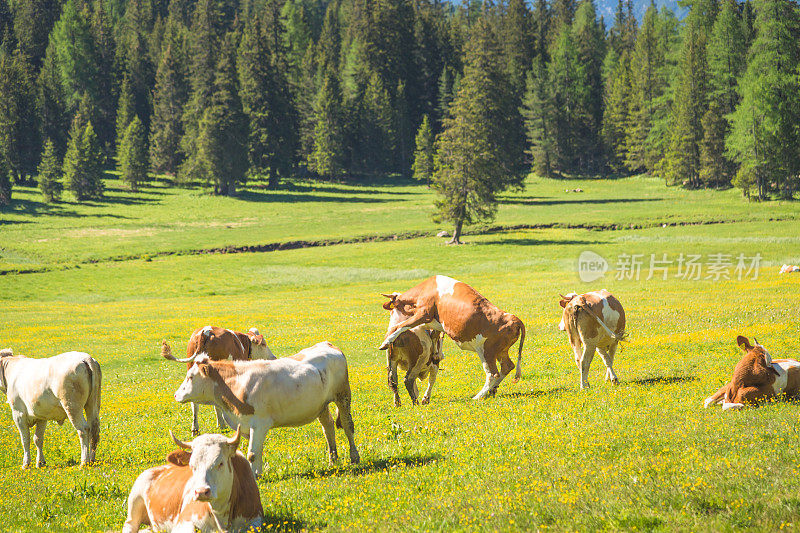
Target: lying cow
[(207, 485), (455, 308), (418, 351), (286, 392), (60, 387), (594, 321), (219, 344), (756, 378)]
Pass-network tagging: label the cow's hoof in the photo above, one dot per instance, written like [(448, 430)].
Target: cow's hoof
[(397, 403), (515, 380), (425, 401), (41, 464), (195, 432), (25, 467), (708, 402)]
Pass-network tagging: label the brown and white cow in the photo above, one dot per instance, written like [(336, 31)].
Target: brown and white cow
[(286, 392), (56, 388), (594, 321), (418, 351), (207, 485), (475, 324), (219, 344), (756, 378)]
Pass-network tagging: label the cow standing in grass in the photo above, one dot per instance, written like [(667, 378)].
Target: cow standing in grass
[(757, 378), (206, 485), (287, 392), (60, 387), (219, 344), (594, 321), (418, 351), (444, 304)]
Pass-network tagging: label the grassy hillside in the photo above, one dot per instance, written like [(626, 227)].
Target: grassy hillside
[(542, 455)]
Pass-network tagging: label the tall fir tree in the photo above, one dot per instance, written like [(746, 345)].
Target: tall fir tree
[(764, 137), (132, 159), (326, 158), (539, 114), (51, 102), (423, 155), (19, 139), (589, 53), (83, 162), (50, 174), (33, 22), (473, 163), (169, 97)]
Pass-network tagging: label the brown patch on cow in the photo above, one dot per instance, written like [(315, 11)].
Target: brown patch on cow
[(245, 498), (223, 374), (753, 378), (179, 458), (165, 493), (222, 344)]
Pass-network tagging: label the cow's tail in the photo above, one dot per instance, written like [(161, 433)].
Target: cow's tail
[(92, 407), (518, 373), (582, 305), (166, 350)]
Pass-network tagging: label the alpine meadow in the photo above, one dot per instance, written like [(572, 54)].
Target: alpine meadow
[(572, 223)]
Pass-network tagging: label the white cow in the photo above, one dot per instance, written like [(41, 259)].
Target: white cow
[(285, 392), (207, 485), (56, 388)]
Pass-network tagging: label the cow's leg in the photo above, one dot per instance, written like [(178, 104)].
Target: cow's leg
[(608, 359), (492, 373), (75, 415), (329, 429), (716, 398), (344, 419), (420, 316), (391, 369), (137, 508), (255, 448), (432, 373), (506, 366), (748, 395), (38, 441), (25, 436), (584, 363), (195, 423), (221, 424)]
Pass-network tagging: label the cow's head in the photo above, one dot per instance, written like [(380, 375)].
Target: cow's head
[(753, 369), (756, 354), (209, 457), (563, 303), (258, 345), (198, 385), (392, 303)]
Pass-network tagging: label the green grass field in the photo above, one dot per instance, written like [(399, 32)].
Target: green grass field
[(114, 278)]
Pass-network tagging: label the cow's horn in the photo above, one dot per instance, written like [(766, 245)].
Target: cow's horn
[(387, 295), (180, 443), (234, 441), (757, 343), (186, 359)]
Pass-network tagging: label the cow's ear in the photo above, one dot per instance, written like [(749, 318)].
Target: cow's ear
[(743, 343), (204, 368), (179, 458), (390, 304), (259, 339)]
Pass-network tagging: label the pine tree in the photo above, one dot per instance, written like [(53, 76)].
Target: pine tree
[(7, 39), (472, 160), (564, 79), (50, 174), (268, 104), (222, 140), (33, 22), (764, 135), (423, 155), (132, 155), (589, 53), (83, 162), (617, 99), (326, 159), (169, 98), (727, 56), (539, 114), (51, 103), (126, 109), (714, 166), (19, 140), (5, 183), (682, 161)]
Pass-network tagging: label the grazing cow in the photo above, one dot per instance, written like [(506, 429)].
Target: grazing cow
[(207, 485), (756, 378), (219, 344), (287, 392), (60, 387), (418, 351), (444, 304), (593, 321)]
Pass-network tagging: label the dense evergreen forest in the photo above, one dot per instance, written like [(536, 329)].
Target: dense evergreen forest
[(469, 97)]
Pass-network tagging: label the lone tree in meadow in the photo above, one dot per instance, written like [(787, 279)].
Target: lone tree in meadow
[(423, 155), (473, 158), (50, 174), (132, 155), (83, 162)]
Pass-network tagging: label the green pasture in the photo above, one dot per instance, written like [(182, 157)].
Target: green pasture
[(542, 455)]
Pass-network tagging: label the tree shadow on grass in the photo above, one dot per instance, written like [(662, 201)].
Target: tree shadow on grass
[(530, 200), (325, 188), (664, 380), (278, 197), (366, 467), (525, 241)]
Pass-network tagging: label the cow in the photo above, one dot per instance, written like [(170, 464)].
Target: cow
[(206, 485), (56, 388), (418, 351), (286, 392), (594, 321), (444, 304), (757, 378), (218, 344)]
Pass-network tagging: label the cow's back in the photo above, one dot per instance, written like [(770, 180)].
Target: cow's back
[(165, 493), (43, 384)]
